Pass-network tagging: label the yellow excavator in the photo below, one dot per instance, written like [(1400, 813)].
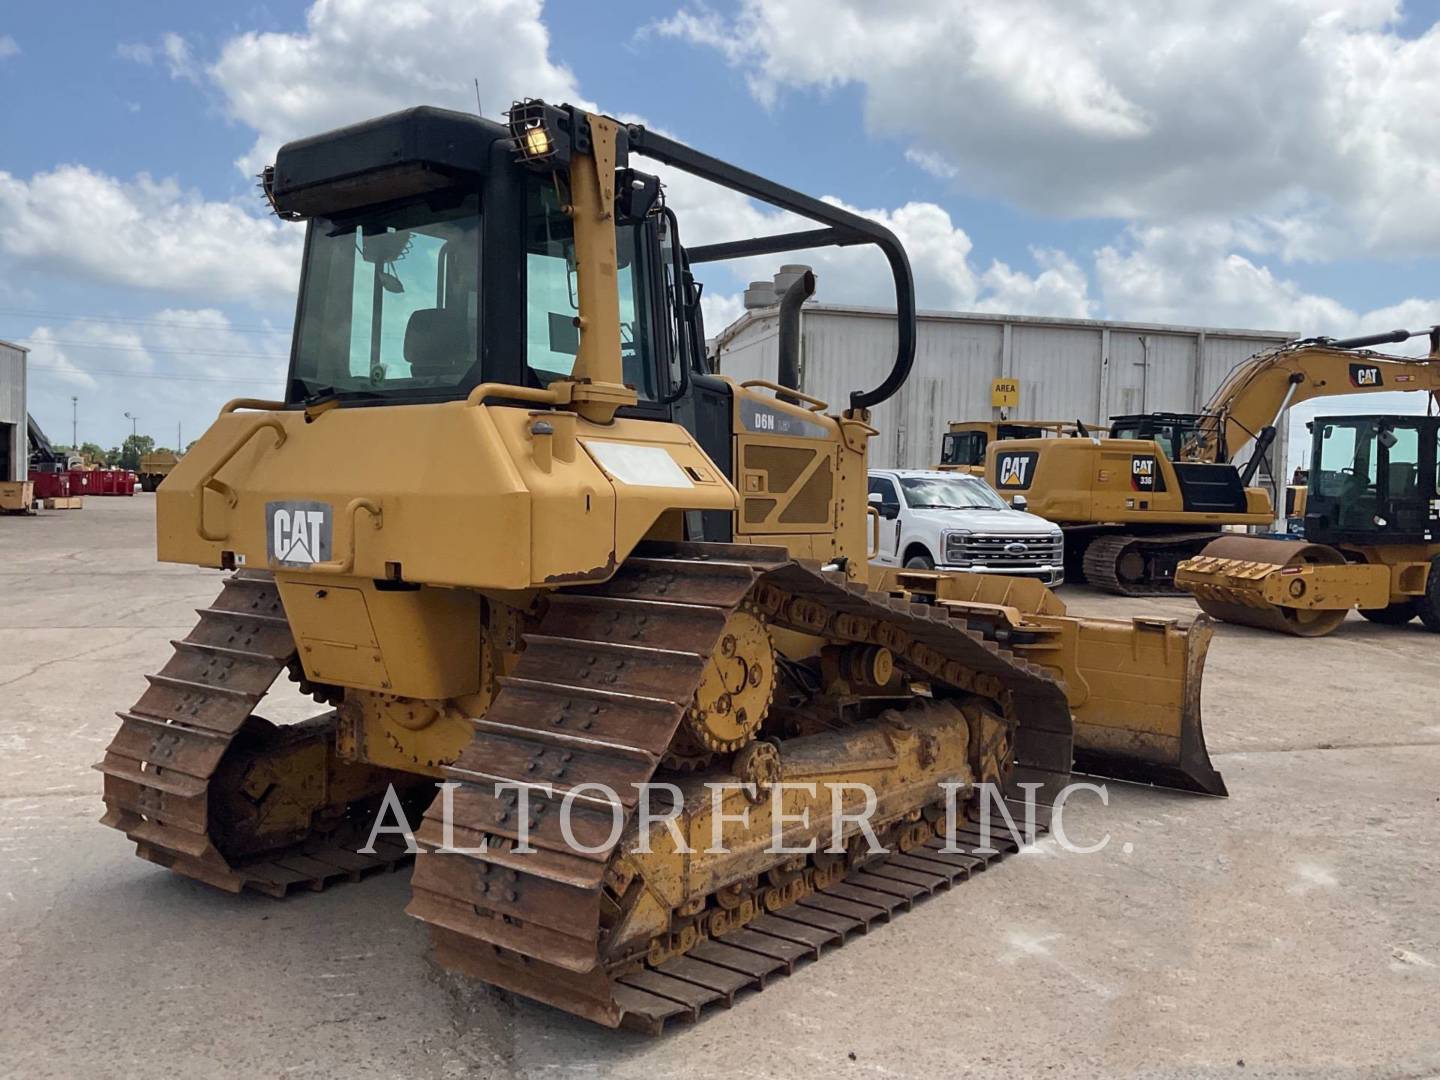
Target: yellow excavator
[(541, 565), (1162, 486), (1372, 537)]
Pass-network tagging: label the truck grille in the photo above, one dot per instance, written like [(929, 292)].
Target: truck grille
[(1006, 552)]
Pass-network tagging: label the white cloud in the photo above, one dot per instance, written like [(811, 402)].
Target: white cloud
[(939, 252), (1313, 116), (51, 360), (172, 48), (1061, 288), (355, 60), (146, 234), (174, 366), (136, 52), (933, 164), (720, 310), (1204, 274), (8, 47)]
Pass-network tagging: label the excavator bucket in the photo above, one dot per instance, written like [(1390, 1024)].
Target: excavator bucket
[(1133, 687)]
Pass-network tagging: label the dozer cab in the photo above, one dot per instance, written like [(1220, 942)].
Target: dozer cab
[(1162, 486), (963, 447), (1372, 537), (542, 564)]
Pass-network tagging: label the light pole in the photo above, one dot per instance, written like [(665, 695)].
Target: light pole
[(134, 420), (74, 423)]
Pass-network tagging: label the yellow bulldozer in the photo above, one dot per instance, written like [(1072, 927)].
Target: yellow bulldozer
[(1160, 487), (541, 565), (155, 467), (963, 446), (1372, 537)]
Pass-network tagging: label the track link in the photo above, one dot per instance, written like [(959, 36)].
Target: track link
[(715, 970), (1102, 557), (159, 766), (597, 696)]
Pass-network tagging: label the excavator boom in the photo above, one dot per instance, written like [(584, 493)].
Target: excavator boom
[(1258, 391)]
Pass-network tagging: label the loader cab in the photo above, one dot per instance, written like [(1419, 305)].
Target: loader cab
[(1373, 480)]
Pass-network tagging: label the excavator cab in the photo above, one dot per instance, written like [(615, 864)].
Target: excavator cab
[(1171, 432), (1373, 480)]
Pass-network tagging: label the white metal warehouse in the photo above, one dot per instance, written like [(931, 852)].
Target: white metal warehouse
[(14, 443), (1066, 368)]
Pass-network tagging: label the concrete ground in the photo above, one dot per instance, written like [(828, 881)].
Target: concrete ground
[(1291, 930)]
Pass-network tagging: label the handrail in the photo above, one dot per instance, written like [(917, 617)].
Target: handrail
[(845, 229), (345, 565), (224, 490), (816, 405), (261, 404), (478, 395), (872, 512)]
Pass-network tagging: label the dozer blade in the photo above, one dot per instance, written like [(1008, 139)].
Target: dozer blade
[(1134, 687), (1287, 586), (1158, 741)]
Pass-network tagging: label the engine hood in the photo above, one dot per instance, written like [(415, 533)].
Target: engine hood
[(1008, 522)]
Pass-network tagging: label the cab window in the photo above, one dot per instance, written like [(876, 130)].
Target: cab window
[(389, 301), (552, 339), (883, 487), (963, 448)]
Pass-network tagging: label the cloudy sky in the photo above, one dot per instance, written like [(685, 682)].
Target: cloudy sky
[(1239, 163)]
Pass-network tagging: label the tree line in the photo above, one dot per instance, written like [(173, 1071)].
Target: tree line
[(125, 456)]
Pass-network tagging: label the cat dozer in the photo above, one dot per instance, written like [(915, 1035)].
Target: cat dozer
[(1372, 537), (525, 546)]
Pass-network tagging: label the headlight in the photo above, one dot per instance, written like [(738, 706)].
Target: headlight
[(955, 543)]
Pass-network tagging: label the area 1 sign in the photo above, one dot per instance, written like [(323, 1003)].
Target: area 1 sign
[(1004, 391)]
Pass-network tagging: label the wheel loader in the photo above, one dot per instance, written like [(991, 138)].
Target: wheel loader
[(1164, 485), (1372, 537), (541, 564)]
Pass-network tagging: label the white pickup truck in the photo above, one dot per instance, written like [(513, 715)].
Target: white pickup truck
[(953, 521)]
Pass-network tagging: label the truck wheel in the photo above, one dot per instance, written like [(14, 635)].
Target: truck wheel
[(920, 562), (1427, 606), (1397, 614)]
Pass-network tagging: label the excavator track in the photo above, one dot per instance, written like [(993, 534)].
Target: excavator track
[(596, 697), (186, 730), (1120, 563)]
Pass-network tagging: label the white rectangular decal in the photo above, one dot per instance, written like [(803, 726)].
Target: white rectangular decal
[(634, 463)]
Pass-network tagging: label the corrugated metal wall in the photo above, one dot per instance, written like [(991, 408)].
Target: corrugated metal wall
[(1068, 368), (12, 412)]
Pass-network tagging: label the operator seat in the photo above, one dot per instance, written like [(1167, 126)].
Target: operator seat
[(438, 343)]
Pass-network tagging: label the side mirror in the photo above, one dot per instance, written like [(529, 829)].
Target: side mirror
[(876, 498), (1018, 502)]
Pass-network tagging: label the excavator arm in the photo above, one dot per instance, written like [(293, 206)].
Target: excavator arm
[(1253, 396), (1250, 401)]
